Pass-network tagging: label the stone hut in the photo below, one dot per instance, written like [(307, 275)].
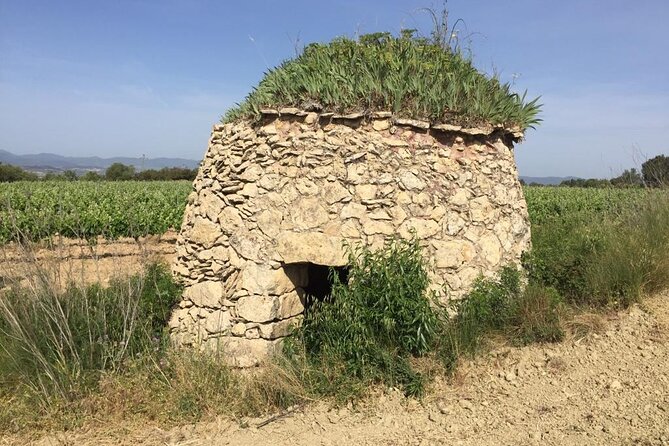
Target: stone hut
[(296, 171), (274, 202)]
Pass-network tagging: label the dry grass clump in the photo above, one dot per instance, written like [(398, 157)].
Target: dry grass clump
[(73, 356), (583, 323)]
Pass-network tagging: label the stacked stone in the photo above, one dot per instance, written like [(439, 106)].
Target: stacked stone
[(293, 188)]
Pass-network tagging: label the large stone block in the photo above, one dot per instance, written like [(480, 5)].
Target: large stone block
[(452, 254), (307, 213), (481, 209), (205, 294), (491, 249), (268, 308), (204, 232), (423, 228), (230, 220), (210, 205), (258, 308), (312, 247), (217, 321), (263, 279), (241, 352), (279, 329), (410, 181), (353, 210), (334, 192), (291, 304), (269, 222)]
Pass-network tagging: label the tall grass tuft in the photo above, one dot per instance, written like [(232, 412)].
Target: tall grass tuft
[(58, 343), (504, 306), (633, 257), (410, 76), (608, 258)]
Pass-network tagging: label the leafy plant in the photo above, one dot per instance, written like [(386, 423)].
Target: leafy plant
[(369, 327), (410, 76)]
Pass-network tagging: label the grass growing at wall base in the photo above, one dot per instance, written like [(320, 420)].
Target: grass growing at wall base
[(371, 329), (500, 305)]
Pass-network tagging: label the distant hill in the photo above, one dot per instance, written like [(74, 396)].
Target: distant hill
[(548, 181), (41, 162), (50, 162)]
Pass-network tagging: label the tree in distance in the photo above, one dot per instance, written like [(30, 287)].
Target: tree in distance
[(120, 172), (655, 171)]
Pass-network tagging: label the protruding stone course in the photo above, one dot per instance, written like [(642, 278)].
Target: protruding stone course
[(273, 197)]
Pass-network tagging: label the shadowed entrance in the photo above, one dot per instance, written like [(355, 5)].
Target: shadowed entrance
[(320, 279)]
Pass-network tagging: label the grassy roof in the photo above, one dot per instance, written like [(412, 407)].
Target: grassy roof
[(412, 77)]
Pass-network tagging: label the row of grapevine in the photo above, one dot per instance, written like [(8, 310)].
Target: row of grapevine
[(546, 203), (35, 210)]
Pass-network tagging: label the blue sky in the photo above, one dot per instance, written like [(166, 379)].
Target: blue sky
[(133, 77)]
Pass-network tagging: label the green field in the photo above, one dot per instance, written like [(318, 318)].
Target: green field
[(548, 203), (36, 210)]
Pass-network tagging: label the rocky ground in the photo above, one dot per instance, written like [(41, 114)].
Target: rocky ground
[(608, 388)]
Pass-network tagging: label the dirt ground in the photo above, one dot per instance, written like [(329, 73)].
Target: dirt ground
[(77, 261), (608, 388)]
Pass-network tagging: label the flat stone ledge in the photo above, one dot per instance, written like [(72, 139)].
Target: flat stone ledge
[(355, 118)]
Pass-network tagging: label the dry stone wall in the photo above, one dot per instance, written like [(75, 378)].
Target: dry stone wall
[(273, 197)]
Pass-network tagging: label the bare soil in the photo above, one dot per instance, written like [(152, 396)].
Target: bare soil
[(78, 261), (607, 388)]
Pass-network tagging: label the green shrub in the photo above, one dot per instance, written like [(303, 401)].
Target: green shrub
[(562, 248), (499, 305), (9, 173), (369, 327)]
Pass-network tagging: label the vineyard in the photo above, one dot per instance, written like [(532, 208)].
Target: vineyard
[(547, 203), (35, 210)]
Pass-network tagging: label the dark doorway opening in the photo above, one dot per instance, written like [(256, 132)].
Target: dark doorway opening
[(320, 279)]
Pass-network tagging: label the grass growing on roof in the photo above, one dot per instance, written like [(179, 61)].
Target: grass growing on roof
[(412, 77)]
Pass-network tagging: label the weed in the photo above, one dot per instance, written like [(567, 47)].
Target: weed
[(537, 315), (368, 328), (56, 342), (500, 305)]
